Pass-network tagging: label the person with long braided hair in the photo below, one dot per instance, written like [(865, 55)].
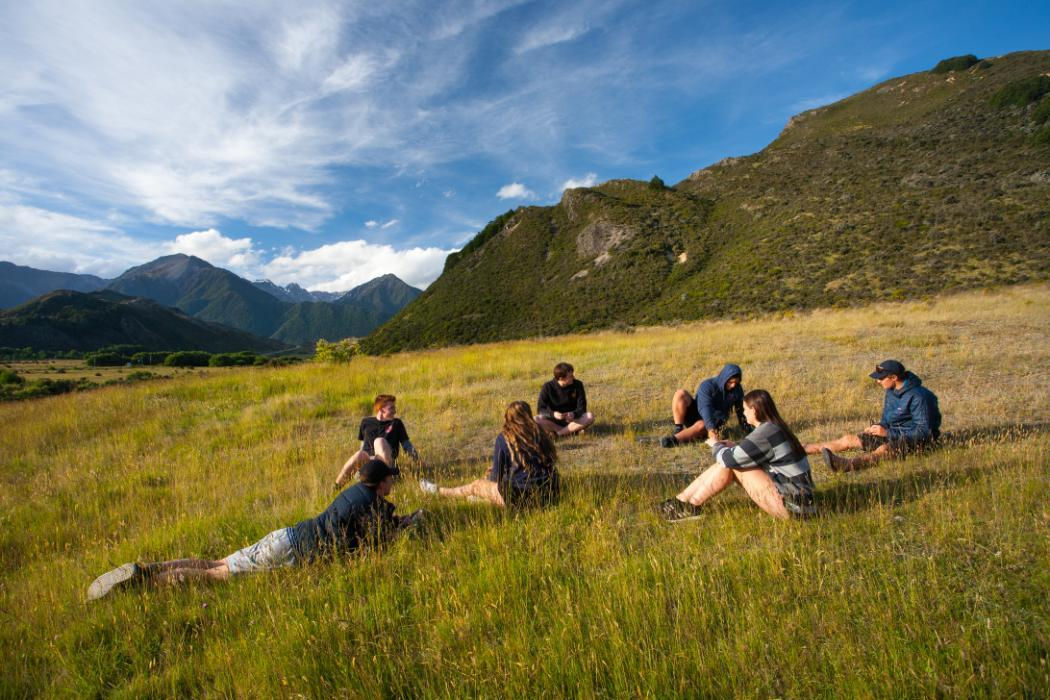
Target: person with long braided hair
[(523, 469)]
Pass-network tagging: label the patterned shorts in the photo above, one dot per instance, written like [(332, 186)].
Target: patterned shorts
[(797, 492), (271, 552)]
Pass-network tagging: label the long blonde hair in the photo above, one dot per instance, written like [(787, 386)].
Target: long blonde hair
[(528, 442)]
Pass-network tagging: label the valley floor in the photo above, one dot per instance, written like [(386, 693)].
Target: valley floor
[(922, 577)]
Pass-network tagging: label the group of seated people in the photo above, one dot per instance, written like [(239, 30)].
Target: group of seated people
[(767, 460)]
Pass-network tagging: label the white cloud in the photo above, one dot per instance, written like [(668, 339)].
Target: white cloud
[(392, 222), (371, 223), (341, 266), (588, 180), (515, 190), (548, 36), (52, 241), (210, 245)]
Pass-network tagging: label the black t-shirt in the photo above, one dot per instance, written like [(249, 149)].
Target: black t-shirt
[(555, 397), (358, 514), (393, 431)]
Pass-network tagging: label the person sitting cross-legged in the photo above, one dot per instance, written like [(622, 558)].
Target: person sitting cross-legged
[(911, 422), (769, 464), (562, 406), (523, 469), (359, 515)]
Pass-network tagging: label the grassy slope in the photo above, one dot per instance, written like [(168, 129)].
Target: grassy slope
[(916, 186), (925, 577)]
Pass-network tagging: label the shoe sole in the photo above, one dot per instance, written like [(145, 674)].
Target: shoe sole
[(105, 583), (685, 519)]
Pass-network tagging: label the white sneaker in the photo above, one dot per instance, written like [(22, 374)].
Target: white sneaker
[(118, 577), (428, 487)]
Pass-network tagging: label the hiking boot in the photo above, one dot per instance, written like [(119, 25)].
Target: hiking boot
[(834, 462), (674, 511), (669, 441), (428, 487), (117, 578)]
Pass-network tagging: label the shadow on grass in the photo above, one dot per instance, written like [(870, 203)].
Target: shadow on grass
[(853, 497), (993, 433)]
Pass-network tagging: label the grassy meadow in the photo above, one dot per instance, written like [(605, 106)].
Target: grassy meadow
[(927, 577)]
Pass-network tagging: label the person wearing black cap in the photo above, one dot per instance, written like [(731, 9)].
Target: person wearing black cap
[(359, 515), (911, 421)]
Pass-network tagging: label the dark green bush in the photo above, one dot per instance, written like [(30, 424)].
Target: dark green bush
[(1042, 111), (188, 358), (657, 183), (955, 63), (1021, 93), (105, 359), (235, 359), (1042, 136), (9, 376), (149, 358)]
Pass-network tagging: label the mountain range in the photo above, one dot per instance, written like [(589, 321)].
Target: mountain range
[(68, 320), (213, 294), (933, 181)]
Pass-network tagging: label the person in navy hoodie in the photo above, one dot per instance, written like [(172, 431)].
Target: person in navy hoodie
[(359, 516), (708, 413), (911, 422)]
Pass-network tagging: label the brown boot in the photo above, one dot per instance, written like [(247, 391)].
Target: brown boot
[(836, 463)]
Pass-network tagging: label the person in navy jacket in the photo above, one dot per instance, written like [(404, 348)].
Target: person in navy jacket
[(911, 422), (709, 412)]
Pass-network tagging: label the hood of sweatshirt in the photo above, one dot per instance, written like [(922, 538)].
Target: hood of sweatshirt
[(727, 373), (910, 382)]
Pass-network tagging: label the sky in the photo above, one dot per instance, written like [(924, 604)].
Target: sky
[(326, 143)]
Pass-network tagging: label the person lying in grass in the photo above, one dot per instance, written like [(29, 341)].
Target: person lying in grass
[(523, 469), (381, 436), (769, 464), (562, 406), (911, 422), (696, 418), (359, 515)]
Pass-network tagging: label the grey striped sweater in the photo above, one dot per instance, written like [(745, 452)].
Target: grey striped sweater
[(768, 447)]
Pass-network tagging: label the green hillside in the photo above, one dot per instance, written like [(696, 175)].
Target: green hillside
[(76, 321), (929, 182)]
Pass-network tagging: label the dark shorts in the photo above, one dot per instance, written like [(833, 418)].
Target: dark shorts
[(692, 416), (897, 448), (538, 495), (798, 494), (557, 421)]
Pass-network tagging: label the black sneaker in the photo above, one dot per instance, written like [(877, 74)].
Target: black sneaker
[(674, 511), (117, 578), (669, 441)]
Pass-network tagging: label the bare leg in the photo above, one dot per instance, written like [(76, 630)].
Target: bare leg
[(481, 489), (867, 460), (383, 451), (679, 408), (846, 442), (711, 482), (221, 572), (762, 491), (578, 424), (350, 468), (548, 425)]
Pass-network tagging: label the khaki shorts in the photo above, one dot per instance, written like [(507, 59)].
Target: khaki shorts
[(271, 552)]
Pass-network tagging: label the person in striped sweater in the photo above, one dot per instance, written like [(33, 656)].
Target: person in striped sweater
[(770, 464)]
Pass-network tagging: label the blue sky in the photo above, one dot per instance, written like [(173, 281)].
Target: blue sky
[(325, 143)]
